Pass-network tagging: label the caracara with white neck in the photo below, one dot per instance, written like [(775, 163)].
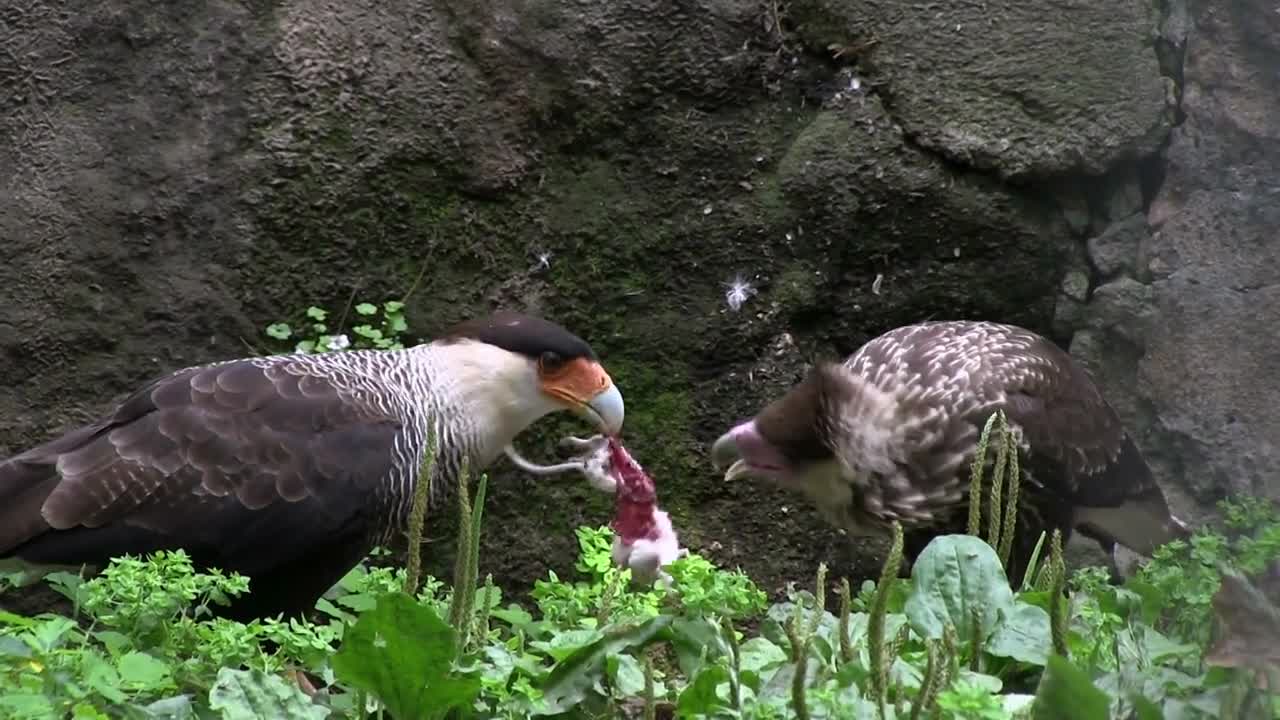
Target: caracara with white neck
[(288, 469)]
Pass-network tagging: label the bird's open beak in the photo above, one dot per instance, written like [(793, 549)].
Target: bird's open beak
[(726, 456), (743, 451), (590, 394)]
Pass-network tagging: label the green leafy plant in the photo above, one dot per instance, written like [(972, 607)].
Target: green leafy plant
[(1192, 636), (953, 641), (375, 326)]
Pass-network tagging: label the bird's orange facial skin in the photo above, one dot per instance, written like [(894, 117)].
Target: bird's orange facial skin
[(574, 382)]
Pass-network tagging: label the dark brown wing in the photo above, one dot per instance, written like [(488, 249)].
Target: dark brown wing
[(973, 368), (1090, 471), (1075, 438), (1081, 452), (248, 467)]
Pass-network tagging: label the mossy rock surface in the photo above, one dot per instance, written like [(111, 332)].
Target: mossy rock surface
[(216, 169), (1025, 90)]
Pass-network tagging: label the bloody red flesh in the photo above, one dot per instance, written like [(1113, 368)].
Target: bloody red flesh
[(636, 497)]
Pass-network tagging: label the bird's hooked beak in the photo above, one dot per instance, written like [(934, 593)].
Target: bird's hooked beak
[(724, 451), (589, 392), (726, 457), (744, 451), (605, 410)]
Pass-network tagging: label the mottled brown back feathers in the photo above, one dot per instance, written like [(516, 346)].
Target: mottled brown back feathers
[(903, 414), (1074, 438)]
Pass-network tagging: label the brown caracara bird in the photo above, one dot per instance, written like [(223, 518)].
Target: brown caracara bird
[(288, 469), (890, 433)]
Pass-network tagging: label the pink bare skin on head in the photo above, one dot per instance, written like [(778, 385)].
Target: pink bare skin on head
[(757, 452)]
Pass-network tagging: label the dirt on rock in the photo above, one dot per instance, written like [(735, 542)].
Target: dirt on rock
[(176, 177)]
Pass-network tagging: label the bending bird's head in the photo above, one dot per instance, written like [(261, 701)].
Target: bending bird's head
[(791, 438), (533, 367)]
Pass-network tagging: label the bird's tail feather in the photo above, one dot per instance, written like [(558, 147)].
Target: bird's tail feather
[(27, 479), (24, 486), (1142, 523), (1125, 505)]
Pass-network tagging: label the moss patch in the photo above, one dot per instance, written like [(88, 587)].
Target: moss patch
[(824, 28), (643, 231)]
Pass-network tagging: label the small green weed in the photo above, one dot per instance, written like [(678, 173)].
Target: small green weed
[(954, 641), (380, 327), (1191, 637)]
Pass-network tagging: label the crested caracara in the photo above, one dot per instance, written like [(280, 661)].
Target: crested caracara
[(288, 469)]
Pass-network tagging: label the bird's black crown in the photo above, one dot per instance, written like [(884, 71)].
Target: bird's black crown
[(523, 334)]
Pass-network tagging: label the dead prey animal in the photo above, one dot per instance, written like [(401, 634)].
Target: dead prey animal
[(644, 540)]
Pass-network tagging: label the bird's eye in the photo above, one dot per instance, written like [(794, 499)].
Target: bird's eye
[(550, 362)]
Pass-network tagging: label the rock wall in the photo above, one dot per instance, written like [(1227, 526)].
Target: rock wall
[(177, 176), (1184, 290)]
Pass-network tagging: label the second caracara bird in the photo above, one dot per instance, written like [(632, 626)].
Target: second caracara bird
[(889, 434), (289, 469)]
